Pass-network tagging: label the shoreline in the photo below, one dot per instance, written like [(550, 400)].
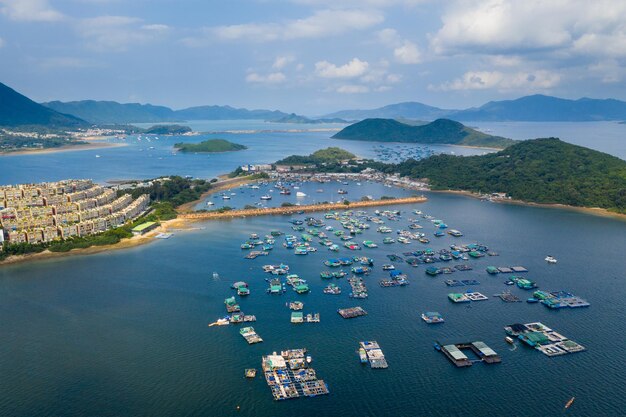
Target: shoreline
[(89, 146), (223, 183), (594, 211), (135, 241)]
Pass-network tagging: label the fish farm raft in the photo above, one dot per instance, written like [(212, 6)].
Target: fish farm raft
[(289, 376)]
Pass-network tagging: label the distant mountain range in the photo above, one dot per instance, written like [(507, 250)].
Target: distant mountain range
[(111, 112), (441, 131), (295, 118), (408, 110), (18, 110), (535, 108)]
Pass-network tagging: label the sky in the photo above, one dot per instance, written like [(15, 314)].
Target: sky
[(312, 56)]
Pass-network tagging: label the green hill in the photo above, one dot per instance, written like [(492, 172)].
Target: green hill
[(441, 131), (167, 130), (210, 146), (328, 155), (18, 110), (540, 170)]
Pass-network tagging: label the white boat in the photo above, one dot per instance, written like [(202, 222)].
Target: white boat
[(266, 197), (210, 203), (300, 194), (255, 187), (309, 359), (225, 197), (97, 156), (550, 259)]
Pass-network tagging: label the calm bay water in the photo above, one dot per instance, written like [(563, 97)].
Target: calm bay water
[(125, 332)]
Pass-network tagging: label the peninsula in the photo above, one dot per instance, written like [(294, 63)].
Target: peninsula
[(441, 131), (210, 146)]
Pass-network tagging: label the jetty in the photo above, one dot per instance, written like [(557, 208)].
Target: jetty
[(289, 375), (230, 214)]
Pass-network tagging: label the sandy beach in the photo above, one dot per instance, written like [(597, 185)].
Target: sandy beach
[(166, 226), (69, 148)]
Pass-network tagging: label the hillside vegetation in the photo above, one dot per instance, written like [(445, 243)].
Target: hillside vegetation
[(540, 170), (210, 146), (328, 155), (441, 131)]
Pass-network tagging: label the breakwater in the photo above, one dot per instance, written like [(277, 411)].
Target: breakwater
[(209, 215)]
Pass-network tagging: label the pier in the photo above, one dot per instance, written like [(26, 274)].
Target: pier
[(349, 313), (231, 214)]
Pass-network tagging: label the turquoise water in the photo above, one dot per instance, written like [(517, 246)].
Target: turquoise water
[(125, 333), (152, 158)]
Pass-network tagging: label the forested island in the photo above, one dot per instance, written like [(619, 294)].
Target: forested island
[(210, 146), (441, 131), (167, 130)]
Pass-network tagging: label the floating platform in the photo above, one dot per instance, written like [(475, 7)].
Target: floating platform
[(289, 376), (542, 338), (352, 312), (432, 317), (374, 354), (250, 335), (483, 353)]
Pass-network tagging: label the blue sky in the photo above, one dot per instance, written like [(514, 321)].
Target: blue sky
[(312, 56)]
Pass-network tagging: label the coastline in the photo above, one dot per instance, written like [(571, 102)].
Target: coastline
[(594, 211), (223, 183), (90, 146), (168, 225)]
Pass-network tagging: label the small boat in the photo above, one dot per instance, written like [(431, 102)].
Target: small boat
[(550, 259), (532, 300), (225, 197), (97, 156), (362, 355), (309, 359), (300, 194), (509, 339), (569, 403), (266, 197), (341, 191), (250, 373), (210, 203)]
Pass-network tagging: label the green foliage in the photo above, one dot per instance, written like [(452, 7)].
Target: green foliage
[(167, 130), (176, 190), (540, 170), (442, 131), (210, 146), (287, 204), (322, 156), (249, 207), (386, 197)]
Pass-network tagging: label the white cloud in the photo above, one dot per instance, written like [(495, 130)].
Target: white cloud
[(30, 10), (353, 89), (352, 69), (272, 78), (322, 23), (511, 27), (609, 71), (282, 61), (485, 80), (361, 3), (407, 53), (117, 33)]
